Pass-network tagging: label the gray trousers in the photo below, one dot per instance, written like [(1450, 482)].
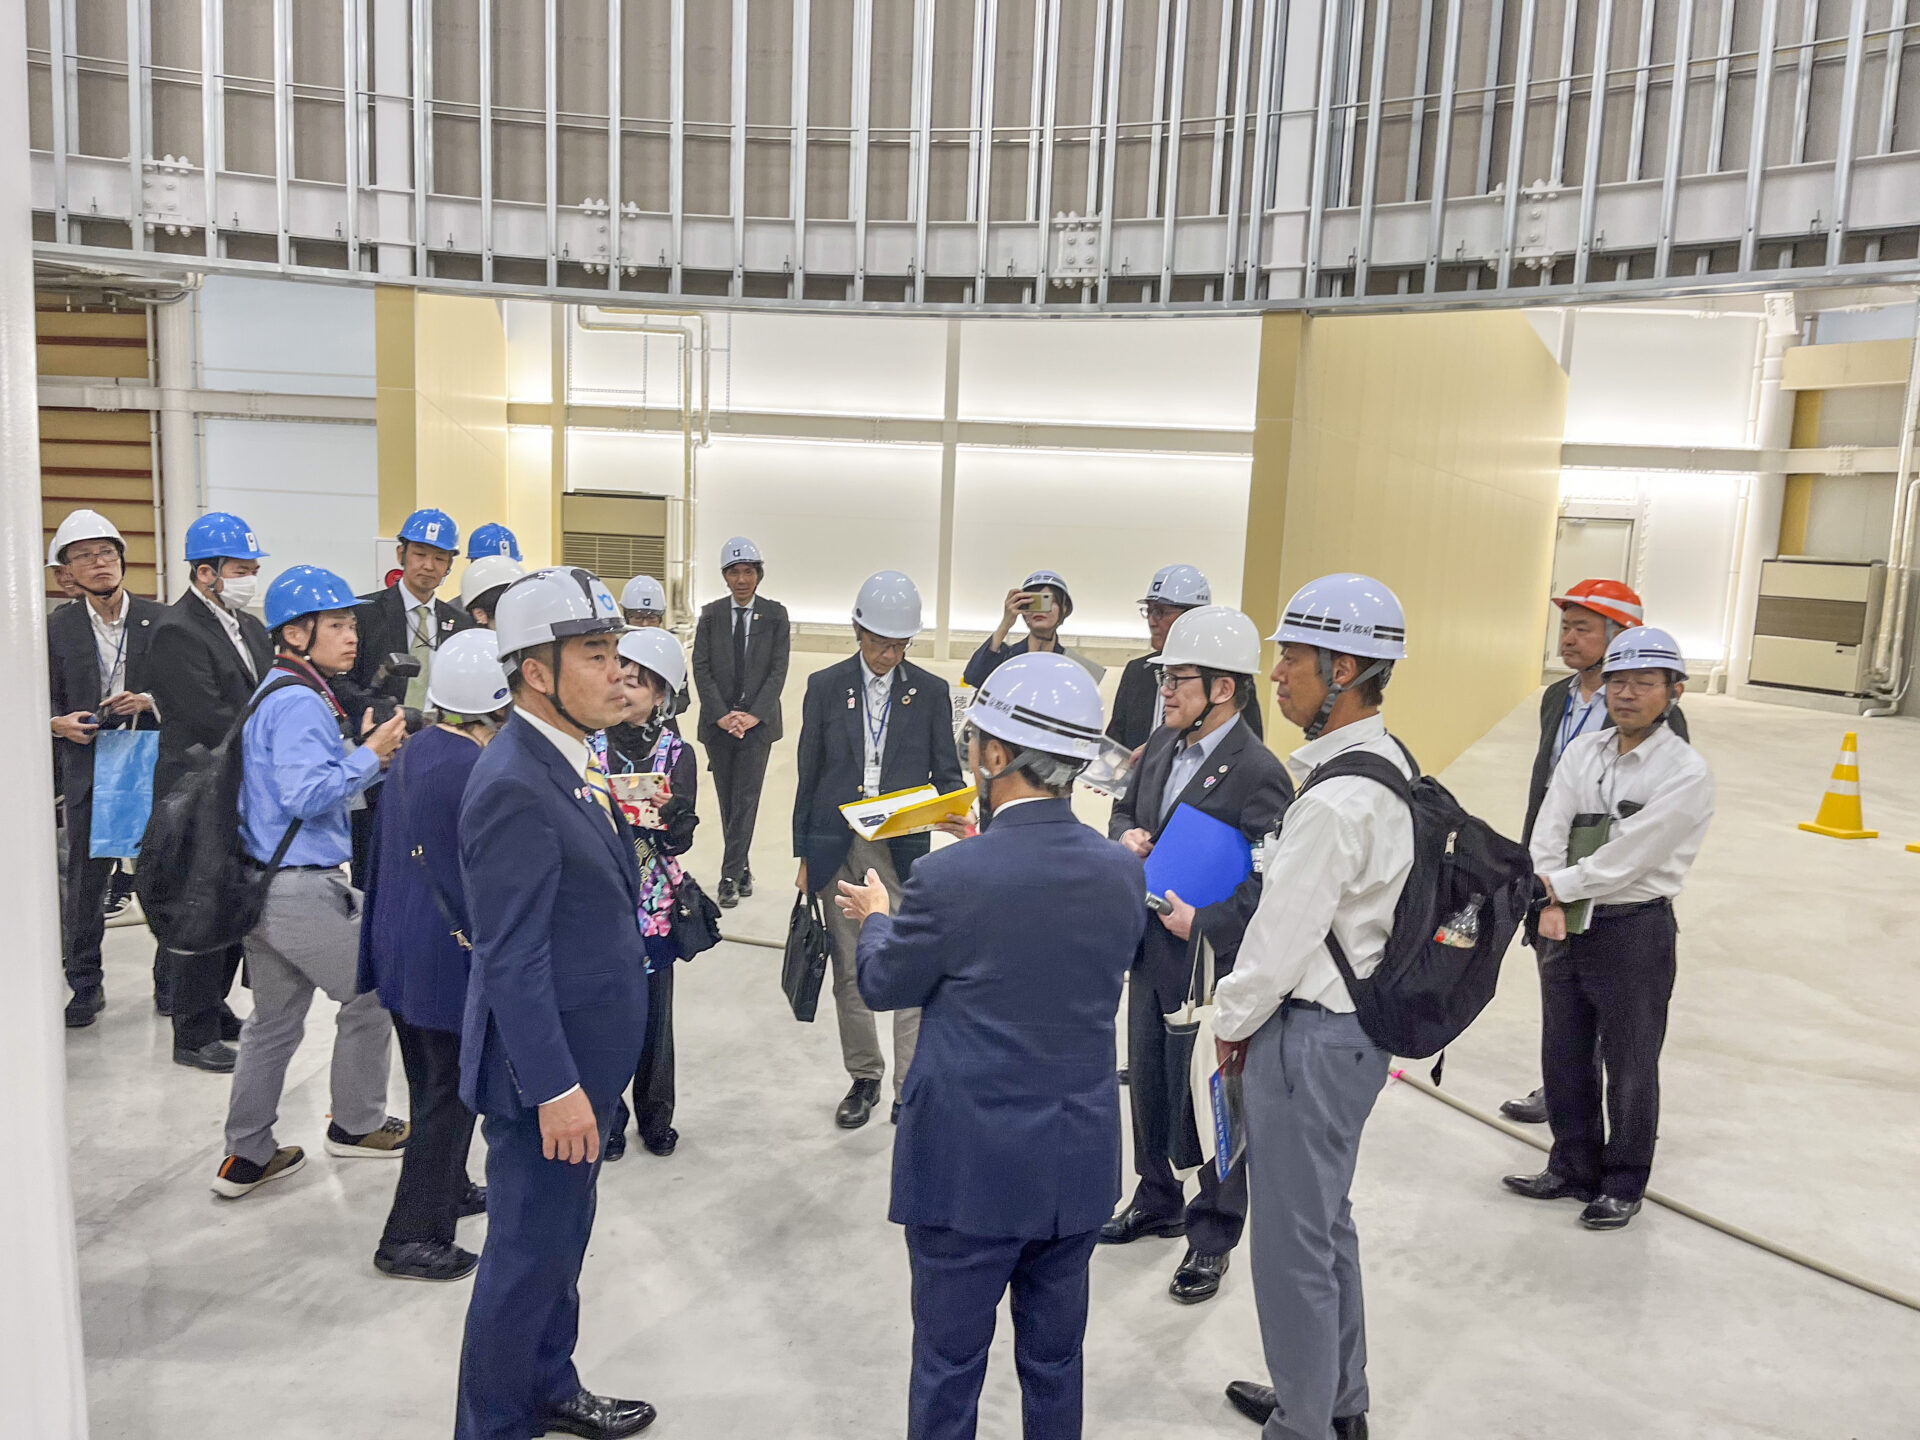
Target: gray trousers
[(1311, 1079), (859, 1037), (308, 939)]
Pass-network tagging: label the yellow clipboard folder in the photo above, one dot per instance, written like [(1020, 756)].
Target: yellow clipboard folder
[(906, 812)]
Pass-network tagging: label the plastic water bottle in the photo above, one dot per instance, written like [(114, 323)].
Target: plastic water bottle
[(1461, 929)]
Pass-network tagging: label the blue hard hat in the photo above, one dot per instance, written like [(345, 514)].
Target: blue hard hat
[(431, 527), (220, 536), (306, 590), (491, 539)]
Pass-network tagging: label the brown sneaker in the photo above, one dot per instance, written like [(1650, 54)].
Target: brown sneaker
[(237, 1176), (386, 1143)]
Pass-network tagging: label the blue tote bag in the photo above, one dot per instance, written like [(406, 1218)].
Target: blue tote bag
[(122, 791)]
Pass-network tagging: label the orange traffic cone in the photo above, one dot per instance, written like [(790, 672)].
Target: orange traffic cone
[(1840, 808)]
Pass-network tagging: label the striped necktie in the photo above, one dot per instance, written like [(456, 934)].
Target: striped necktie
[(601, 789)]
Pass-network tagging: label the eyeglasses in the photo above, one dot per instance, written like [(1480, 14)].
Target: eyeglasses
[(96, 555), (887, 647), (1167, 680), (1154, 610), (1627, 684)]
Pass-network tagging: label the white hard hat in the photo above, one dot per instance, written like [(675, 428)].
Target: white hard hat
[(1041, 702), (1347, 614), (1645, 647), (1214, 637), (554, 604), (83, 525), (656, 650), (1052, 578), (644, 593), (740, 551), (487, 572), (467, 677), (889, 605), (1178, 585)]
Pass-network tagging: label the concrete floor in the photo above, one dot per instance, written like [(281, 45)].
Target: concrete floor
[(752, 1285)]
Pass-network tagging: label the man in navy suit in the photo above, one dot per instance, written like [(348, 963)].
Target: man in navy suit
[(556, 1006), (1014, 946), (871, 725)]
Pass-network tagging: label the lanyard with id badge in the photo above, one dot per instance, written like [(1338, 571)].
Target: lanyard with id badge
[(876, 735)]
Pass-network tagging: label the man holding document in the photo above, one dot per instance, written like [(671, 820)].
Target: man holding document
[(1618, 830), (1203, 759), (871, 725), (1011, 946)]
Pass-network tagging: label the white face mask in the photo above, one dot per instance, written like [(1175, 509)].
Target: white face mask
[(238, 590)]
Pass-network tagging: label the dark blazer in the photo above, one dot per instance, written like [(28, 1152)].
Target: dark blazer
[(558, 991), (1242, 783), (832, 760), (383, 631), (73, 666), (769, 647), (1553, 710), (199, 682), (407, 948), (1013, 945), (1132, 720)]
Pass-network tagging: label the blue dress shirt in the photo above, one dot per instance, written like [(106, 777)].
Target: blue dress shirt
[(297, 766), (1187, 762)]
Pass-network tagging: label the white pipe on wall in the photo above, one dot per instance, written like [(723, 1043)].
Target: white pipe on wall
[(42, 1378)]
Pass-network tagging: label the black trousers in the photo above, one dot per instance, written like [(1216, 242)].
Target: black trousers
[(653, 1081), (739, 770), (1217, 1215), (83, 914), (199, 985), (433, 1167), (1604, 1000)]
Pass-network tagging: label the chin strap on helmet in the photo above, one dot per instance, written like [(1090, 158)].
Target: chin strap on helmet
[(1336, 690), (553, 662)]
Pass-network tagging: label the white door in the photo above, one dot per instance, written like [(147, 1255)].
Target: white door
[(1586, 548)]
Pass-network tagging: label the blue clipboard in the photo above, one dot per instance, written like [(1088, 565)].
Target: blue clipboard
[(1199, 858)]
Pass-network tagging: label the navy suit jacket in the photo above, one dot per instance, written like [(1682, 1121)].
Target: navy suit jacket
[(557, 996), (1013, 944), (919, 750)]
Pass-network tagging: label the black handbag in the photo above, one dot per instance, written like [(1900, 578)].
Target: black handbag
[(695, 921), (805, 963), (1184, 1029)]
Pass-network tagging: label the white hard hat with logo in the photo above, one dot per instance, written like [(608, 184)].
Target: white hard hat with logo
[(83, 525), (1041, 702), (467, 677), (645, 594), (658, 651), (740, 551), (486, 573), (1645, 647), (1348, 614), (1214, 637), (888, 605), (555, 604), (1178, 585)]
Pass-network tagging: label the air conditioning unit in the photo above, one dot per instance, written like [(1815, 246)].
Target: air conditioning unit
[(1814, 626), (615, 536)]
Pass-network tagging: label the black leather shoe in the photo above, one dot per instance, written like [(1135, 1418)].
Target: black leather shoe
[(858, 1106), (230, 1026), (1251, 1399), (473, 1201), (1609, 1212), (745, 885), (425, 1260), (1133, 1222), (1531, 1110), (597, 1417), (662, 1144), (214, 1057), (1350, 1427), (1546, 1186), (84, 1008), (728, 895), (615, 1147), (1198, 1277)]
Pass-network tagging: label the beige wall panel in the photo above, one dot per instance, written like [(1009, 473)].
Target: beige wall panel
[(1423, 450), (460, 390), (1833, 367), (530, 497)]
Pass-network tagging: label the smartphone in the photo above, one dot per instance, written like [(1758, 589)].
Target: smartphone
[(1041, 603)]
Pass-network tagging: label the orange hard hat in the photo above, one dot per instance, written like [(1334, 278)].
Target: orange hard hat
[(1608, 599)]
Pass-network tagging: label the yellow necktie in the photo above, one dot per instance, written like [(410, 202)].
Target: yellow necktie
[(422, 650), (602, 790)]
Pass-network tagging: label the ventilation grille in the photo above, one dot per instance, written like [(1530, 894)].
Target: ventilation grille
[(616, 559)]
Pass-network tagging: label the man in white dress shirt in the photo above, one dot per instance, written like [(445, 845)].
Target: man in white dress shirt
[(1311, 1073), (1605, 989)]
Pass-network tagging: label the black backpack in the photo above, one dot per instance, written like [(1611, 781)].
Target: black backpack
[(196, 883), (1468, 891)]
